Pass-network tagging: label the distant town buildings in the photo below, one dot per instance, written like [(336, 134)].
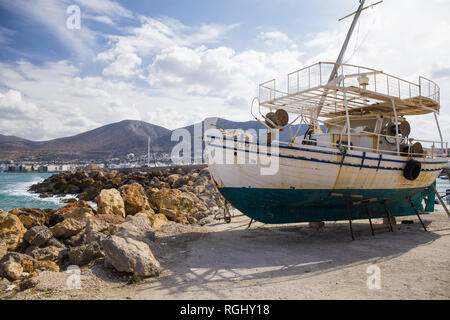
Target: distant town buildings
[(129, 161)]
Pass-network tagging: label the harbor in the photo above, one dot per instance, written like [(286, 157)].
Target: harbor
[(198, 153)]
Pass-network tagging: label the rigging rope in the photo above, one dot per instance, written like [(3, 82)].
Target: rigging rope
[(358, 47)]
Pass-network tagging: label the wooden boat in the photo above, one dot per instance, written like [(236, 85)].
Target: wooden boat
[(356, 159)]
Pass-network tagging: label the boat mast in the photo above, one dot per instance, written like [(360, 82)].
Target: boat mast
[(333, 75), (148, 152), (347, 40)]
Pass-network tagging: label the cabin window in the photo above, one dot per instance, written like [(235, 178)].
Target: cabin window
[(357, 126), (363, 125)]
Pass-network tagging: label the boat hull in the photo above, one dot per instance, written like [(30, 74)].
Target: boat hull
[(304, 185), (275, 206)]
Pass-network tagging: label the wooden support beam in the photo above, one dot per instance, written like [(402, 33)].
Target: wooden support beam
[(388, 213), (370, 218), (417, 213), (347, 203), (441, 200)]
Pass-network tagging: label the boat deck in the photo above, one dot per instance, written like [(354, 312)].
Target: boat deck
[(309, 90)]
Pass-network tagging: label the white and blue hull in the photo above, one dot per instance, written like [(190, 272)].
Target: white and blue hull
[(306, 177)]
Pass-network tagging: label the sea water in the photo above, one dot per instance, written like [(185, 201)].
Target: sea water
[(441, 186), (14, 192)]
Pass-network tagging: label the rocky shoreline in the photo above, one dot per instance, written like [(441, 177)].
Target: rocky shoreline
[(119, 233)]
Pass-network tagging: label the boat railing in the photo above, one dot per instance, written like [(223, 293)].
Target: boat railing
[(431, 152), (376, 81), (430, 146), (429, 89)]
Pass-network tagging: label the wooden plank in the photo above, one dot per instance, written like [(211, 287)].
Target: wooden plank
[(441, 200)]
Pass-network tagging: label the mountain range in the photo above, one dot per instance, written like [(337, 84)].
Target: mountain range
[(109, 141)]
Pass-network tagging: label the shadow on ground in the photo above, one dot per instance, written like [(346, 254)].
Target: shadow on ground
[(272, 254)]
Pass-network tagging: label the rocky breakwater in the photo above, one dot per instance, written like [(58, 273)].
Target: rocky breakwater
[(183, 195), (119, 233)]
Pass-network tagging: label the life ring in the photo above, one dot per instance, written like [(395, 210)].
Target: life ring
[(412, 170)]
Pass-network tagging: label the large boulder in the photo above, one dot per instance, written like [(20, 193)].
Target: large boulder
[(11, 230), (72, 206), (169, 214), (139, 228), (38, 236), (98, 229), (181, 181), (47, 265), (131, 256), (109, 201), (156, 220), (16, 266), (171, 199), (97, 225), (110, 218), (3, 250), (134, 198), (31, 217), (89, 193), (83, 255), (67, 228), (80, 214), (172, 179), (110, 174), (50, 253)]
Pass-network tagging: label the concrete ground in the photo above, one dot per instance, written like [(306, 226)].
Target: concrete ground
[(296, 262)]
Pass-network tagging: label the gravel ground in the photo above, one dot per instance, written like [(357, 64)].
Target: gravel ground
[(229, 261)]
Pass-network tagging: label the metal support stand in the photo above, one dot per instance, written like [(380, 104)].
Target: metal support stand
[(440, 199), (366, 208), (347, 198), (384, 203), (370, 218), (417, 213), (347, 203), (250, 224)]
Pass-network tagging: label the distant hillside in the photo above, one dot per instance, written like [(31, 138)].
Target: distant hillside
[(110, 141), (12, 147)]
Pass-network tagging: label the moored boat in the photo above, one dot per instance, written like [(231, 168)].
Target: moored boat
[(356, 159)]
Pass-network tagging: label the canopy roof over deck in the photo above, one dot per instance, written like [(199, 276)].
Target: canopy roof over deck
[(364, 91)]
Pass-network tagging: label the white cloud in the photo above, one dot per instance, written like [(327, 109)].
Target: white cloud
[(276, 40), (107, 8), (101, 19), (152, 37), (52, 15), (12, 106), (124, 66), (190, 74), (405, 38)]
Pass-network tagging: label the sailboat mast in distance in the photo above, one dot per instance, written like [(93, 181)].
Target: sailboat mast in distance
[(148, 152)]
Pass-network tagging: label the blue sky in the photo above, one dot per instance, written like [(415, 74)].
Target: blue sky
[(173, 63)]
